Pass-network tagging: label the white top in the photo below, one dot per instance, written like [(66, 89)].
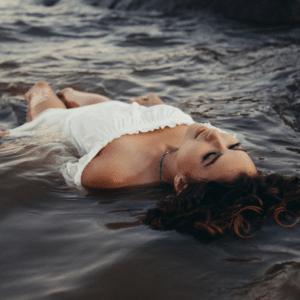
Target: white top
[(91, 128)]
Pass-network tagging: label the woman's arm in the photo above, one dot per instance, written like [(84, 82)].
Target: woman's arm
[(151, 99)]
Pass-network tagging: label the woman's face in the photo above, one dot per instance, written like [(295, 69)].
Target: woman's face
[(208, 154)]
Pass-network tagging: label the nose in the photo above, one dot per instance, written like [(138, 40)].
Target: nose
[(214, 135)]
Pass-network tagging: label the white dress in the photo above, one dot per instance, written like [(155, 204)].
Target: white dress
[(91, 128)]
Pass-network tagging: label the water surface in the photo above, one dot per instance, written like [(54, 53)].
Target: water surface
[(58, 242)]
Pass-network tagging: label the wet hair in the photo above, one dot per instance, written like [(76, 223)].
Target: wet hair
[(213, 209)]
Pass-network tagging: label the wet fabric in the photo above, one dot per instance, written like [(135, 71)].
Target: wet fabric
[(91, 128)]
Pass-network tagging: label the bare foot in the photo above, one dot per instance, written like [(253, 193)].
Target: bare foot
[(73, 98)]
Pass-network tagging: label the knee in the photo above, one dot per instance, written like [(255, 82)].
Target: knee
[(37, 88)]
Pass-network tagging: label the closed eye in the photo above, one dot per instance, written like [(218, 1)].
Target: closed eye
[(206, 156), (234, 146), (237, 145)]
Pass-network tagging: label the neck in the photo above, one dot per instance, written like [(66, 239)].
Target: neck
[(169, 166)]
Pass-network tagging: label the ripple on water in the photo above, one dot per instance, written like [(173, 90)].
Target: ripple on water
[(60, 242)]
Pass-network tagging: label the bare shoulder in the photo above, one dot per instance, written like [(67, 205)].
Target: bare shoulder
[(106, 173), (101, 173)]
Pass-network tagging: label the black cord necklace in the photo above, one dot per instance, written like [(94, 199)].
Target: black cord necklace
[(161, 161)]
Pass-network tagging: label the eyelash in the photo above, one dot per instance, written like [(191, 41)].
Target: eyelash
[(235, 145), (230, 147)]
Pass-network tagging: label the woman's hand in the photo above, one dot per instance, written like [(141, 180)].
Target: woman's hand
[(151, 99)]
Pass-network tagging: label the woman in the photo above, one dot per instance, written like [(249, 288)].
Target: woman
[(128, 144)]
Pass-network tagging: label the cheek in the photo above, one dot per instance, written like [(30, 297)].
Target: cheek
[(187, 166), (187, 161)]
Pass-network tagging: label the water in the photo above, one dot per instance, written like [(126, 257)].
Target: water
[(61, 243)]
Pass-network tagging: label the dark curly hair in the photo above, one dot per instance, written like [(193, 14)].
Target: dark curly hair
[(212, 209)]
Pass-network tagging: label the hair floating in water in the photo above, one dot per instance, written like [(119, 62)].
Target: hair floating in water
[(213, 209)]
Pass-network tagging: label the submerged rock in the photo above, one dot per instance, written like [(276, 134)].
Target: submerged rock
[(258, 11)]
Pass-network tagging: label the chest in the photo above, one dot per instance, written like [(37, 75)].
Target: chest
[(131, 155), (134, 159)]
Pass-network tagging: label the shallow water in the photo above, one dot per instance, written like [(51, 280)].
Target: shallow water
[(61, 243)]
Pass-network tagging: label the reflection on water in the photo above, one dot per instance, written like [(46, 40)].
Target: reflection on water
[(59, 242)]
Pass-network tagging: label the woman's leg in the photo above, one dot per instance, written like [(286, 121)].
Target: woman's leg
[(73, 98), (41, 97)]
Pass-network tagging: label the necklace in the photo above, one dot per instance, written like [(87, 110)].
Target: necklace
[(161, 161)]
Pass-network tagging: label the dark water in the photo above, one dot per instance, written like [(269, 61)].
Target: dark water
[(61, 243)]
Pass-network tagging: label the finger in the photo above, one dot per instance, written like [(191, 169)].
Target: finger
[(133, 100)]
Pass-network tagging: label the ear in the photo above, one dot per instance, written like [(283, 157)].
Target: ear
[(180, 182)]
